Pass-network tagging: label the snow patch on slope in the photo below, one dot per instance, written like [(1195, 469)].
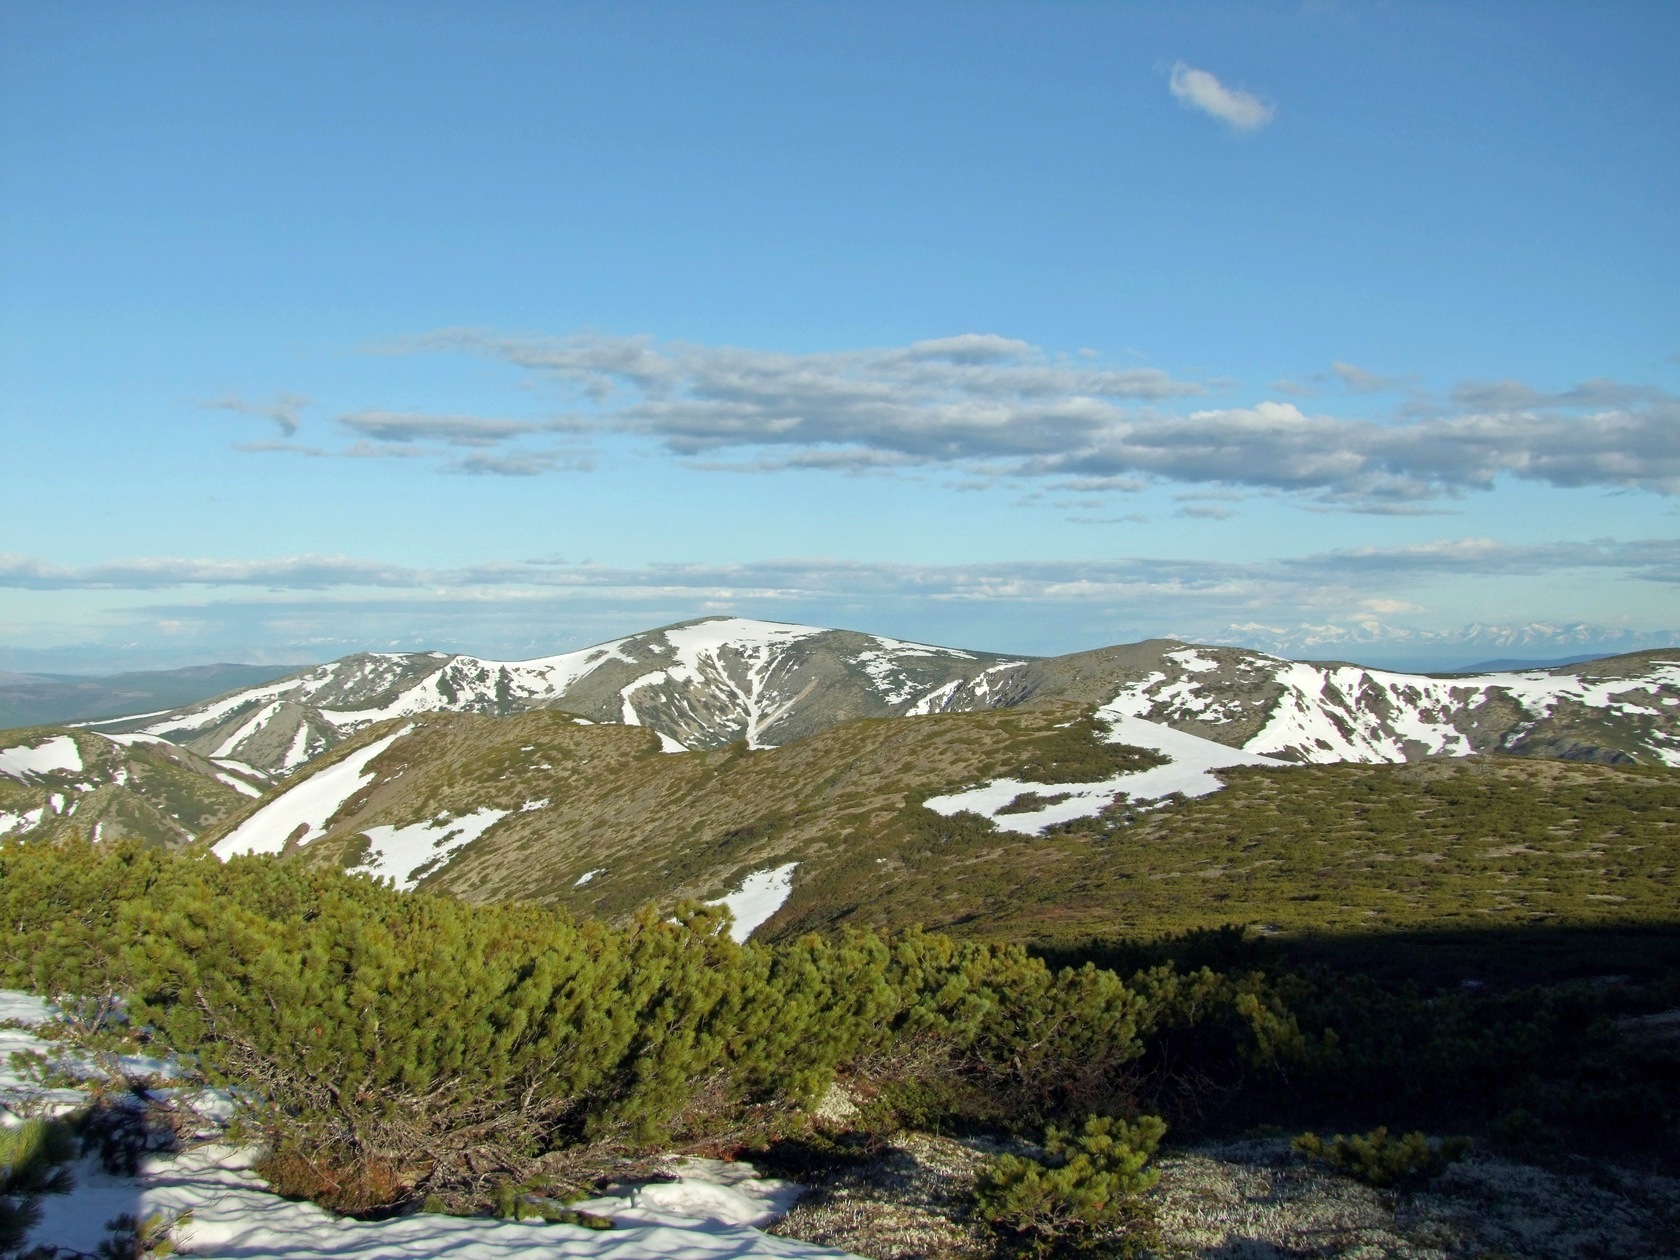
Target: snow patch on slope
[(309, 804), (1189, 771), (406, 855), (238, 785), (59, 753), (760, 895), (698, 648), (26, 821), (246, 729), (1334, 713), (298, 751), (883, 664), (203, 717)]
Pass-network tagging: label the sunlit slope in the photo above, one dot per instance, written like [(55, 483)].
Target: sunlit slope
[(598, 819), (568, 799), (1621, 709)]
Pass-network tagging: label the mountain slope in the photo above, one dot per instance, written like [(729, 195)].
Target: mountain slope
[(1023, 822), (54, 781), (1621, 709), (708, 683), (702, 684), (841, 777)]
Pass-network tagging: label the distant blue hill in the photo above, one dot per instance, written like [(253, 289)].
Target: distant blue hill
[(51, 699)]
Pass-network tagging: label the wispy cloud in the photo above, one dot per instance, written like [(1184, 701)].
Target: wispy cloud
[(1594, 394), (1358, 379), (152, 573), (1655, 560), (282, 410), (522, 463), (1294, 389), (277, 448), (1198, 89), (317, 607), (407, 426)]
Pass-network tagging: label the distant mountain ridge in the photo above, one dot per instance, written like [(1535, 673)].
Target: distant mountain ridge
[(1476, 646), (40, 699), (709, 683)]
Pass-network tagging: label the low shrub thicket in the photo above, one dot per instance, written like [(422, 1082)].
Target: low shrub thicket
[(1536, 1067), (1382, 1160), (398, 1046)]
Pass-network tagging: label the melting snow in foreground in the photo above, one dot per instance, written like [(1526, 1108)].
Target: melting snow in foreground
[(406, 854), (708, 1213), (307, 805), (58, 753), (761, 894), (1189, 770)]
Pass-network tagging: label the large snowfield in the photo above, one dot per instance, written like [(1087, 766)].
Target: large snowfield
[(708, 1210), (308, 805)]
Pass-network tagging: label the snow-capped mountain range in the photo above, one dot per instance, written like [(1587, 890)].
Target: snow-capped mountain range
[(542, 779), (708, 683)]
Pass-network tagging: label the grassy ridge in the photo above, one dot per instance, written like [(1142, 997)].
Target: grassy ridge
[(1348, 850)]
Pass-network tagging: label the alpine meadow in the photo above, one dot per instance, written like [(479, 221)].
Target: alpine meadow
[(938, 632)]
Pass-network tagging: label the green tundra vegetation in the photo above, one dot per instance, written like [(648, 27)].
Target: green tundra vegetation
[(1462, 844), (147, 790)]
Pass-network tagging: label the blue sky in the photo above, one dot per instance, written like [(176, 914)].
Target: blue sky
[(510, 327)]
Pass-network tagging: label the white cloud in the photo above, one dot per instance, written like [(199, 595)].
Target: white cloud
[(993, 408), (1198, 89)]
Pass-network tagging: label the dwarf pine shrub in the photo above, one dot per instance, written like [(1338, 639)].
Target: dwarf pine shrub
[(1379, 1159), (1087, 1194), (395, 1045)]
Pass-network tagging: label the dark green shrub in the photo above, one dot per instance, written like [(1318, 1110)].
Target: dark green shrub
[(1381, 1160), (1080, 752), (1087, 1195)]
